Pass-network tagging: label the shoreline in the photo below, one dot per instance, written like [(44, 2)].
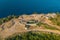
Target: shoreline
[(27, 14)]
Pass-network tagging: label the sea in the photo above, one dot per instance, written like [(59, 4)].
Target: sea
[(19, 7)]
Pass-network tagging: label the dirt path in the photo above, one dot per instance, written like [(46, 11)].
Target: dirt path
[(10, 32), (19, 28), (58, 27), (46, 30)]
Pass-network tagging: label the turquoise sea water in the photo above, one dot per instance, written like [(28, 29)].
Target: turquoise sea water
[(18, 7)]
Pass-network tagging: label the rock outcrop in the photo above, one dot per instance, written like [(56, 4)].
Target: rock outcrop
[(18, 25)]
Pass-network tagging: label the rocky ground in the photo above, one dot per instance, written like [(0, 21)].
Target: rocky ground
[(38, 22)]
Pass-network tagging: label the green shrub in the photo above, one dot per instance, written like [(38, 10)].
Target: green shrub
[(39, 23), (36, 36), (2, 20), (46, 26)]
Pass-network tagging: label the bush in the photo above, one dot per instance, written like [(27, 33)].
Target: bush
[(2, 20), (36, 36)]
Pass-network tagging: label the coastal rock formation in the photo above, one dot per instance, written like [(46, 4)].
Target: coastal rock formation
[(25, 23)]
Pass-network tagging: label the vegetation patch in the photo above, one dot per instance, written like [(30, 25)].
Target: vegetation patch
[(46, 26), (35, 36), (3, 20), (55, 21)]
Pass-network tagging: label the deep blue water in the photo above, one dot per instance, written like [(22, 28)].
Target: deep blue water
[(18, 7)]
